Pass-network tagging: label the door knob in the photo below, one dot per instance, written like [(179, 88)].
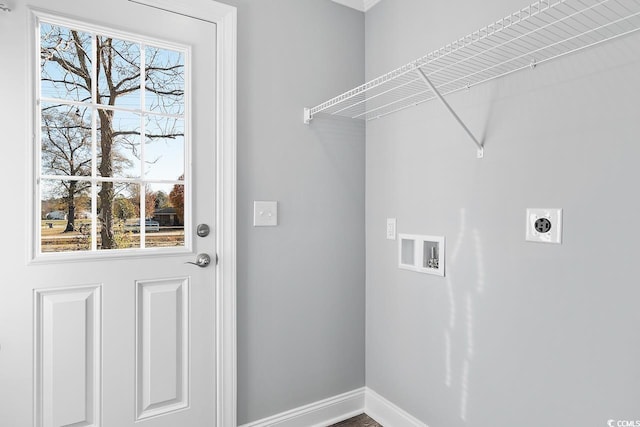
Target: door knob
[(202, 260)]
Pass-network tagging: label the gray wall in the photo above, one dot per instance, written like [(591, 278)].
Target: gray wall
[(301, 284), (516, 333)]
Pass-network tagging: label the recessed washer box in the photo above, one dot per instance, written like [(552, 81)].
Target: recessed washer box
[(422, 254)]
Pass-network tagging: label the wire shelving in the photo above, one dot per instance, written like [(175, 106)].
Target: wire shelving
[(545, 30)]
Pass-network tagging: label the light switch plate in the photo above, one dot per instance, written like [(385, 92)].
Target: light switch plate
[(544, 225), (391, 228), (265, 213)]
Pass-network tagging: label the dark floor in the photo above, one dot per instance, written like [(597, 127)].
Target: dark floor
[(360, 421)]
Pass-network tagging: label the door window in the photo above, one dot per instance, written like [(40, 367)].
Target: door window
[(112, 149)]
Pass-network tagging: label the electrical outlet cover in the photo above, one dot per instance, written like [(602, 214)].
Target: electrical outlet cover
[(391, 228), (544, 225)]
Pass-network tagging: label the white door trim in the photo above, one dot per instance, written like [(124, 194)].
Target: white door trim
[(225, 18)]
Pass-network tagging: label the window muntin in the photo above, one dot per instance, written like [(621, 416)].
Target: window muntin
[(113, 147)]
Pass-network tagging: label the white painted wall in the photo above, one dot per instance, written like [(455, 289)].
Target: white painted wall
[(300, 284), (516, 333)]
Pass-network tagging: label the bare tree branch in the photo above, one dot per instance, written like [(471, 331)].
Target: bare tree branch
[(66, 146)]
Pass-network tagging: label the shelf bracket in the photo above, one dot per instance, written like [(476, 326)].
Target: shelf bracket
[(453, 113), (307, 116)]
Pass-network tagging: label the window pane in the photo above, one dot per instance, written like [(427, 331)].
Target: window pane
[(164, 85), (118, 64), (65, 63), (164, 149), (65, 140), (95, 102), (168, 215), (65, 221), (118, 215), (118, 144)]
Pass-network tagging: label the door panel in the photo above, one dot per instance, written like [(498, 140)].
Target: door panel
[(67, 331), (106, 342), (162, 346)]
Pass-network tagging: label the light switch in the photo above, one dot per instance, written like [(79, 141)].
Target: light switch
[(265, 213)]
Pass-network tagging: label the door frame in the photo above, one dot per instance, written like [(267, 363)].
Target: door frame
[(225, 18)]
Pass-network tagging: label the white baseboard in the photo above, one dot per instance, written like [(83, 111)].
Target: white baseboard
[(386, 413), (319, 414), (339, 408)]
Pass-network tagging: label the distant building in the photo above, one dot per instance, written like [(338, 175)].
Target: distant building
[(56, 215), (167, 217)]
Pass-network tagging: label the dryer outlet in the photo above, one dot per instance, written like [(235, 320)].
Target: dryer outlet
[(544, 225)]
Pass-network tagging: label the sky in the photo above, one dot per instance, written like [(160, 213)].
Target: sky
[(161, 115)]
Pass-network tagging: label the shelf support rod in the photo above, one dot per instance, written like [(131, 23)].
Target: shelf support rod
[(453, 113)]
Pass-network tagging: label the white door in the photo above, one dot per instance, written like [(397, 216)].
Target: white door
[(102, 320)]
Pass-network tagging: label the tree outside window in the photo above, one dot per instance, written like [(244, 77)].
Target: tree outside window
[(111, 119)]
